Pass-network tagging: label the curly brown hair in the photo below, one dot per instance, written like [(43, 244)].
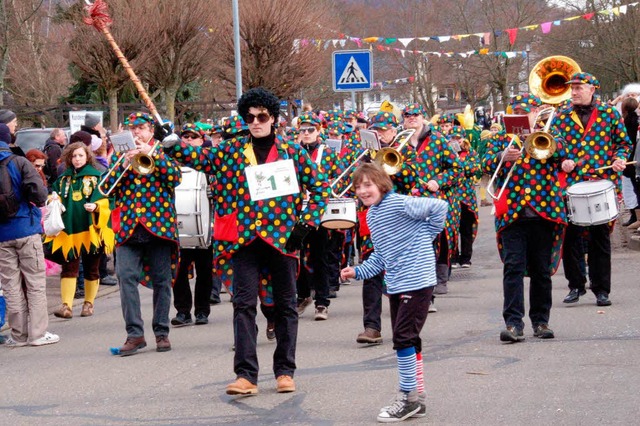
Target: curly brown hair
[(67, 153)]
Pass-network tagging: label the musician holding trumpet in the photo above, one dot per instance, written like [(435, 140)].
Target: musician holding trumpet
[(142, 182), (598, 147), (530, 219)]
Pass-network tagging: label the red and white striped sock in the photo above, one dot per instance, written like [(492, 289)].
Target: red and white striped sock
[(419, 373)]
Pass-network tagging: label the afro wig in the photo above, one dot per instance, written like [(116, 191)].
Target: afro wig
[(256, 98)]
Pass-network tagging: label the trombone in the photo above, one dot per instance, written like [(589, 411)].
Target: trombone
[(389, 158), (142, 164), (539, 145)]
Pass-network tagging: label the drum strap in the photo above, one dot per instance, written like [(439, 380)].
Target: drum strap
[(318, 154)]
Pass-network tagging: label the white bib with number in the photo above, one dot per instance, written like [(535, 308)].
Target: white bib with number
[(271, 180)]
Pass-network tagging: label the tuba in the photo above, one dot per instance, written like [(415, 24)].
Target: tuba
[(548, 79)]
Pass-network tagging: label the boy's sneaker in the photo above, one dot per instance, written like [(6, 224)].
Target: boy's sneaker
[(405, 405), (422, 399), (47, 339), (10, 343), (511, 334), (543, 331)]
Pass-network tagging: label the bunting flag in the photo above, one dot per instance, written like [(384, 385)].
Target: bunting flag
[(484, 38)]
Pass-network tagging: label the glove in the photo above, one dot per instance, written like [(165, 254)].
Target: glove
[(297, 236), (161, 131)]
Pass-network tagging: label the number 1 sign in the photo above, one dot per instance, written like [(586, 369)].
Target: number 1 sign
[(272, 180)]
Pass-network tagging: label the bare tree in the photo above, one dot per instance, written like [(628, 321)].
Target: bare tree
[(183, 47), (269, 58), (91, 54)]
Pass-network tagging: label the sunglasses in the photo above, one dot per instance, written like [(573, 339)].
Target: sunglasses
[(307, 129), (39, 166), (263, 117), (407, 115), (191, 136)]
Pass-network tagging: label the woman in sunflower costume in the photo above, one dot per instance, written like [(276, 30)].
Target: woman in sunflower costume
[(87, 232)]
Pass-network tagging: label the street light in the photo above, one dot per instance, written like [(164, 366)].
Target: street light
[(527, 48)]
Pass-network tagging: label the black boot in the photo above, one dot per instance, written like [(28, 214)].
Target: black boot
[(632, 218)]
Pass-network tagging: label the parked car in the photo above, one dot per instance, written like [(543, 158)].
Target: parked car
[(28, 139)]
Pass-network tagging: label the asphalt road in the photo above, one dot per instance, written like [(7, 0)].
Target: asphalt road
[(588, 375)]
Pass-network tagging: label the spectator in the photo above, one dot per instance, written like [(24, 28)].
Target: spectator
[(9, 118), (22, 266), (53, 148), (38, 159)]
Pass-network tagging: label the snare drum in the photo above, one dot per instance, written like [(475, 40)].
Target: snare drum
[(592, 202), (339, 214), (194, 210)]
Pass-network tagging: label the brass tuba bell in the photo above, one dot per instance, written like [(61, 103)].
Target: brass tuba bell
[(548, 79)]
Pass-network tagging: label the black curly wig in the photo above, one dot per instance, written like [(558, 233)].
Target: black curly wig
[(258, 97)]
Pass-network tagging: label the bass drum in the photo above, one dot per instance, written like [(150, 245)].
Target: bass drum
[(194, 210)]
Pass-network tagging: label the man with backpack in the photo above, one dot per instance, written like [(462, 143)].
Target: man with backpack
[(22, 266)]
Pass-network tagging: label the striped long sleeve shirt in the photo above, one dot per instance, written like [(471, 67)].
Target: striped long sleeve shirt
[(402, 230)]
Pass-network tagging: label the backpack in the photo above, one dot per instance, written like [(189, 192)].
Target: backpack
[(9, 202)]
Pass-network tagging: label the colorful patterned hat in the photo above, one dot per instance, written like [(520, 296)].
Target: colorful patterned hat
[(337, 127), (216, 128), (350, 114), (192, 128), (413, 109), (458, 131), (137, 118), (446, 118), (234, 125), (525, 102), (384, 121), (584, 78), (308, 117), (334, 115)]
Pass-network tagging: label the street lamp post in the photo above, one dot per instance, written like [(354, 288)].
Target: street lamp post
[(236, 47)]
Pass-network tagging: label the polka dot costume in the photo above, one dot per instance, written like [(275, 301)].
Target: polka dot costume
[(533, 183)]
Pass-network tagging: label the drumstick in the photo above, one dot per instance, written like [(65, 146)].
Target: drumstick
[(608, 167)]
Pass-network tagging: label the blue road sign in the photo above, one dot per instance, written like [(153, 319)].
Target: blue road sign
[(352, 70)]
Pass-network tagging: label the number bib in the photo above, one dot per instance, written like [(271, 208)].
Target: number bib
[(272, 180)]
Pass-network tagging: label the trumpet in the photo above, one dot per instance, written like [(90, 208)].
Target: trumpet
[(142, 164), (389, 158), (539, 145)]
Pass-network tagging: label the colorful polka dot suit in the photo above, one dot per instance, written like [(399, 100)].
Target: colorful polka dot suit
[(533, 183)]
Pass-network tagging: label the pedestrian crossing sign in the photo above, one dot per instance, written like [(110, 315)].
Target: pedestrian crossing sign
[(352, 70)]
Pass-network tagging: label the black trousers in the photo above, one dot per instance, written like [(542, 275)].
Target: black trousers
[(248, 262), (408, 314), (183, 299), (372, 290), (467, 220), (321, 261), (526, 247), (599, 257)]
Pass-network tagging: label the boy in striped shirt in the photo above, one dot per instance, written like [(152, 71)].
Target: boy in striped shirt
[(402, 231)]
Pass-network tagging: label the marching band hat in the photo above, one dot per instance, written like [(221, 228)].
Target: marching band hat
[(309, 117), (216, 128), (383, 121), (525, 101), (584, 78), (192, 128), (137, 118), (337, 126), (458, 131), (334, 115), (414, 108), (234, 124)]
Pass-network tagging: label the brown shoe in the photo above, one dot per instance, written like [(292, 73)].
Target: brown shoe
[(163, 344), (132, 345), (285, 384), (370, 336), (242, 387), (64, 312), (87, 309)]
